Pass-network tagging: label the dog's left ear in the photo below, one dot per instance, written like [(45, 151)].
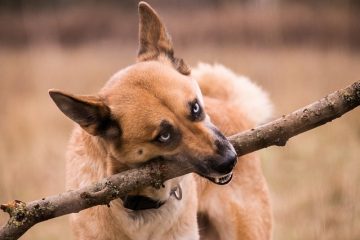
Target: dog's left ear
[(155, 40)]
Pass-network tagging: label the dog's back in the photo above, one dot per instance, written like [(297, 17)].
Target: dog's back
[(243, 95), (234, 104)]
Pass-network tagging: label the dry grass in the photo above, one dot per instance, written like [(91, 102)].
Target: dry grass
[(313, 180)]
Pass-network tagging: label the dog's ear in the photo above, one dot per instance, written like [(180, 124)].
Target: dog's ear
[(155, 40), (90, 112)]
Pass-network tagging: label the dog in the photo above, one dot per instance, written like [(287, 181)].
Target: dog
[(158, 107)]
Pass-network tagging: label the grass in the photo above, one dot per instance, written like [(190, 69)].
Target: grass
[(313, 180)]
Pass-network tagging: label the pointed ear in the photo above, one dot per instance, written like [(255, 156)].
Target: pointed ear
[(90, 112), (155, 40)]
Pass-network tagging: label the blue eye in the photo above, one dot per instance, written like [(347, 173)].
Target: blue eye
[(195, 108), (196, 112), (164, 137)]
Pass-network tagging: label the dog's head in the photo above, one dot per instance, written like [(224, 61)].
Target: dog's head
[(152, 109)]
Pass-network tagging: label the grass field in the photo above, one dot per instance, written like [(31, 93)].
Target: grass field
[(313, 180)]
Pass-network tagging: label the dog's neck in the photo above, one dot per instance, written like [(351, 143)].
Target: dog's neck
[(97, 154), (105, 165)]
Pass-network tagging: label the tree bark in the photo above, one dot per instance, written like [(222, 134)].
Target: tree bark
[(25, 215)]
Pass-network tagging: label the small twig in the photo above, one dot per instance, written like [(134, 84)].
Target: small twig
[(24, 215)]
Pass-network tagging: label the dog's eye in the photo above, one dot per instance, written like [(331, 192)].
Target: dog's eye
[(196, 111), (164, 137), (195, 108), (167, 135)]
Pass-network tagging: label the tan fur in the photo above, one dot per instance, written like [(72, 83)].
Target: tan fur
[(117, 128)]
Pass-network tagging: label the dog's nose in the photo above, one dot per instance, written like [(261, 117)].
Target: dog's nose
[(227, 163)]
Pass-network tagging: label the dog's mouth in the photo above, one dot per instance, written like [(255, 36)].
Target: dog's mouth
[(204, 172), (222, 180)]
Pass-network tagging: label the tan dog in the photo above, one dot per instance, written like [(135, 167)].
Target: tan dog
[(153, 109)]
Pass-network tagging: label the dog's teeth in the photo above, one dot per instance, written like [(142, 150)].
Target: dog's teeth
[(224, 178), (221, 180)]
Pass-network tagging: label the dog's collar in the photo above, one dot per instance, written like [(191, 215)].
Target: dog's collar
[(138, 202)]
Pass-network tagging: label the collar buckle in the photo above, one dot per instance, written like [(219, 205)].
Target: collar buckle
[(176, 192)]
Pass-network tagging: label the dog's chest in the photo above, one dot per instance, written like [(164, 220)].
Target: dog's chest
[(149, 224)]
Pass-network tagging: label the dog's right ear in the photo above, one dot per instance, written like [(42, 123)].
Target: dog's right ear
[(90, 112), (154, 39)]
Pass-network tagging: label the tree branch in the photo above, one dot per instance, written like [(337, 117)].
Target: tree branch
[(313, 115), (25, 215)]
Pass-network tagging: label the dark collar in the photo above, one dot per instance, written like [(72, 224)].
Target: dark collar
[(138, 202)]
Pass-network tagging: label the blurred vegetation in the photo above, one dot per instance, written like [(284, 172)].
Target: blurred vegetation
[(323, 23), (19, 4)]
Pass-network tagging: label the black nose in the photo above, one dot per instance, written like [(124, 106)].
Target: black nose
[(226, 163)]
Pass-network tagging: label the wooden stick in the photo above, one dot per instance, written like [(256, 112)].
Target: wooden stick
[(25, 215), (313, 115)]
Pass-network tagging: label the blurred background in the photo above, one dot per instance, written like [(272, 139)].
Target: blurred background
[(299, 51)]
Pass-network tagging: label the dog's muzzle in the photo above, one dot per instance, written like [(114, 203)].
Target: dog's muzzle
[(218, 168)]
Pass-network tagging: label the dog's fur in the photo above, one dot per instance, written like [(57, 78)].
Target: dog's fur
[(119, 128)]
